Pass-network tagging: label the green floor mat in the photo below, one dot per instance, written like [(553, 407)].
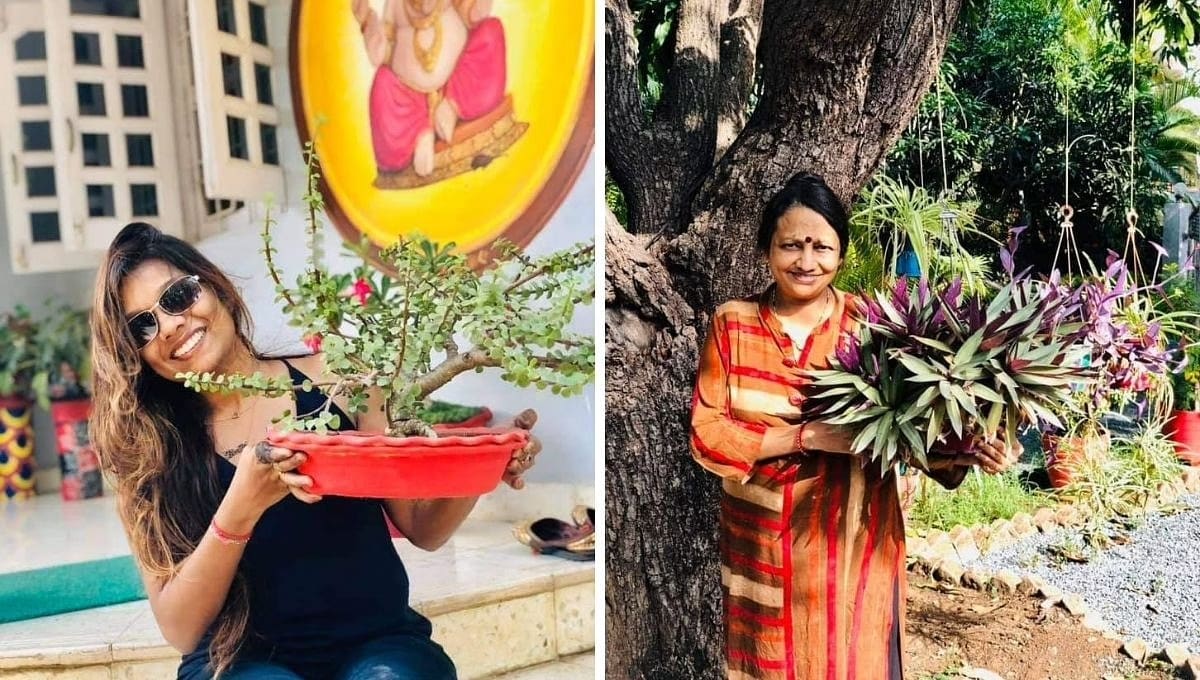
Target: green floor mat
[(68, 588)]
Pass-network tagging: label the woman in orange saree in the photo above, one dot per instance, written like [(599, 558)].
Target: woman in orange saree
[(812, 538)]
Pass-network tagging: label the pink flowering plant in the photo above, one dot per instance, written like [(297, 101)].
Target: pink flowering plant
[(422, 317)]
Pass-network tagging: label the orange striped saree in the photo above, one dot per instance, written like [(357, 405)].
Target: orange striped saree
[(812, 550)]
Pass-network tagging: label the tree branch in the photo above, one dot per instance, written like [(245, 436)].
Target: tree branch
[(542, 270), (739, 42), (452, 366), (884, 105), (688, 103), (624, 121), (658, 166)]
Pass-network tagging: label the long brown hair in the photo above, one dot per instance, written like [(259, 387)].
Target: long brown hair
[(152, 434)]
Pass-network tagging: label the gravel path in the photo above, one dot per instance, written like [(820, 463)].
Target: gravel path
[(1147, 588)]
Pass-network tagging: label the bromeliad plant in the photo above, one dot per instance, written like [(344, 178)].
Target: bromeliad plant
[(928, 369), (411, 326)]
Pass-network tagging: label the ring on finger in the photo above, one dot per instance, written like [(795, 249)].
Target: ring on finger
[(262, 452)]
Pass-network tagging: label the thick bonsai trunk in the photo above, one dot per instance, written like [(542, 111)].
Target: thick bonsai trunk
[(840, 81)]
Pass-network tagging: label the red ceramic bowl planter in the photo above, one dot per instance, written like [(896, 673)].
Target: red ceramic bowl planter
[(1184, 430), (468, 462)]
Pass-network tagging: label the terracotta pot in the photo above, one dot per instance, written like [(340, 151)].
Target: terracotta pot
[(1184, 430), (1063, 454), (16, 448), (77, 458), (469, 462)]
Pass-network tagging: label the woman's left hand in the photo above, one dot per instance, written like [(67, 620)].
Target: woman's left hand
[(994, 456), (524, 459)]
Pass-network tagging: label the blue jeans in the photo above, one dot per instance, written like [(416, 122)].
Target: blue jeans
[(400, 657)]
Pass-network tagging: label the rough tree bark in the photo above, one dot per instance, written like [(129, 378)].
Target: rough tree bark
[(840, 81)]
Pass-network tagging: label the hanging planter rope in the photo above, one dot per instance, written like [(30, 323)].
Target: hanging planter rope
[(1131, 215)]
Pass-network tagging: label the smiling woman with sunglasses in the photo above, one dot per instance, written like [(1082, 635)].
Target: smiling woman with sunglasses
[(248, 574)]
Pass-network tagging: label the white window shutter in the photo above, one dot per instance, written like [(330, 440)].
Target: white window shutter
[(110, 94), (236, 99), (34, 149)]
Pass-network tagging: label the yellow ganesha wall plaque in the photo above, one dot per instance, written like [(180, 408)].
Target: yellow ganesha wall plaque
[(463, 120)]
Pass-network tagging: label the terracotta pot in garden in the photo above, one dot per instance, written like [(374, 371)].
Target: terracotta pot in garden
[(1065, 454), (1184, 430), (77, 458), (463, 462), (16, 448)]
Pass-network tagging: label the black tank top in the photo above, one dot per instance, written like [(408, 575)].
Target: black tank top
[(323, 578)]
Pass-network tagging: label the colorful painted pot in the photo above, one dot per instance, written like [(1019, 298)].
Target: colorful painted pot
[(77, 458), (16, 448)]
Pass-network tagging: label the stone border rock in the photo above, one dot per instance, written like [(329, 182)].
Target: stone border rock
[(940, 555)]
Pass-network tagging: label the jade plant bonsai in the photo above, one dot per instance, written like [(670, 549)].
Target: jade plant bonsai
[(423, 316)]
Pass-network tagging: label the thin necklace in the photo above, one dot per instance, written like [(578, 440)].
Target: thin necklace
[(825, 311), (237, 413), (232, 451)]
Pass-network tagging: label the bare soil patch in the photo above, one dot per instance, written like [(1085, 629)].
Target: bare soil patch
[(950, 629)]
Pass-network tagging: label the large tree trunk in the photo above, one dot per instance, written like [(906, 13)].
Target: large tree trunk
[(840, 81)]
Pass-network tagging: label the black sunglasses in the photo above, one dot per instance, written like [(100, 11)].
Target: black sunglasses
[(176, 298)]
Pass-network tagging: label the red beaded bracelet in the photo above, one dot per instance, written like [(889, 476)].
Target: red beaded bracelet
[(798, 442), (227, 537)]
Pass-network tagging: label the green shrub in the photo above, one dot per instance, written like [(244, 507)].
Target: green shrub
[(980, 500)]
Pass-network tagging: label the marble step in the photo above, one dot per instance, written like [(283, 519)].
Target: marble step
[(495, 608)]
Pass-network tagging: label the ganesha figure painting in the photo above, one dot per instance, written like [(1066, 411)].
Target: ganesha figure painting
[(439, 66), (465, 120)]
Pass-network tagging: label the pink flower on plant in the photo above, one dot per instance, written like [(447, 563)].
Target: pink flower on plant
[(313, 343), (362, 291)]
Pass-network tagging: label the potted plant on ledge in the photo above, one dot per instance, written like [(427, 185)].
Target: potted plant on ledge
[(61, 385), (406, 329), (17, 367)]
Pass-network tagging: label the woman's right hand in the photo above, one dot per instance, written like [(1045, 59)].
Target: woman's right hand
[(264, 476)]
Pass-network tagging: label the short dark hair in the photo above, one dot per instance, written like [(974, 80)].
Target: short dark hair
[(810, 191)]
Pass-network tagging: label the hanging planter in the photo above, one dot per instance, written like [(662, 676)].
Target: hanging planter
[(16, 448), (466, 463)]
